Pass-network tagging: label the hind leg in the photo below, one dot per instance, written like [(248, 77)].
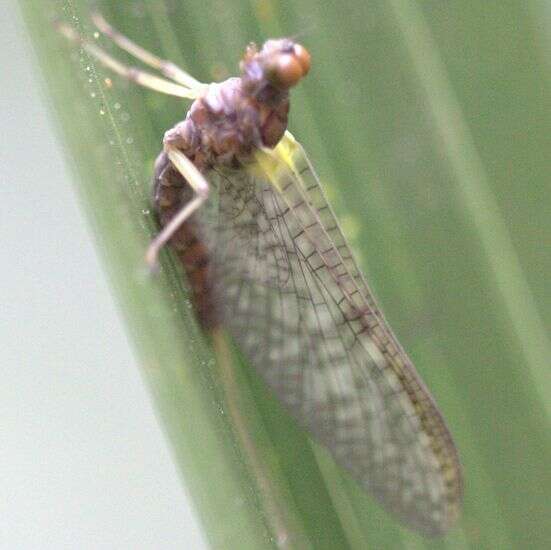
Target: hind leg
[(200, 187)]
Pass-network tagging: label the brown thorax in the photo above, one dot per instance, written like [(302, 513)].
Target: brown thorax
[(233, 118)]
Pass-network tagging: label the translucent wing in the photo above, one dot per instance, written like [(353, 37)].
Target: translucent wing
[(296, 303)]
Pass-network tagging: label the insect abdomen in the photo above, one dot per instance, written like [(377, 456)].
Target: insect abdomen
[(171, 192)]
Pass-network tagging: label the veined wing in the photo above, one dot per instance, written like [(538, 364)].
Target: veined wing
[(298, 306)]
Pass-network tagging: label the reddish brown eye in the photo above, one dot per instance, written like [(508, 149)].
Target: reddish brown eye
[(288, 71), (302, 55)]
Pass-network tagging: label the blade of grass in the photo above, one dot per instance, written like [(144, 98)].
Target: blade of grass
[(178, 365), (474, 191)]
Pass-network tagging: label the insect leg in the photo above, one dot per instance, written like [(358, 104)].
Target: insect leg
[(143, 78), (201, 188), (167, 68)]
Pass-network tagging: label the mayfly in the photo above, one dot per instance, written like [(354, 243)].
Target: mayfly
[(239, 202)]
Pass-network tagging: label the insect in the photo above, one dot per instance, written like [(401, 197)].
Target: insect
[(240, 204)]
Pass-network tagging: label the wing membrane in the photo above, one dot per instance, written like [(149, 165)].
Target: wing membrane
[(297, 304)]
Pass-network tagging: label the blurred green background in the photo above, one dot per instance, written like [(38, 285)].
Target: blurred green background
[(429, 125)]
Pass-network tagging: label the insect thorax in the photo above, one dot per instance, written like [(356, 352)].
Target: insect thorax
[(225, 125)]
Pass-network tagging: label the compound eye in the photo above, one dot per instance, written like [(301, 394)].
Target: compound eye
[(287, 72), (289, 67), (302, 55)]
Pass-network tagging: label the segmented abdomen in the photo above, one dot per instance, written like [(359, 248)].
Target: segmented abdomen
[(171, 192)]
